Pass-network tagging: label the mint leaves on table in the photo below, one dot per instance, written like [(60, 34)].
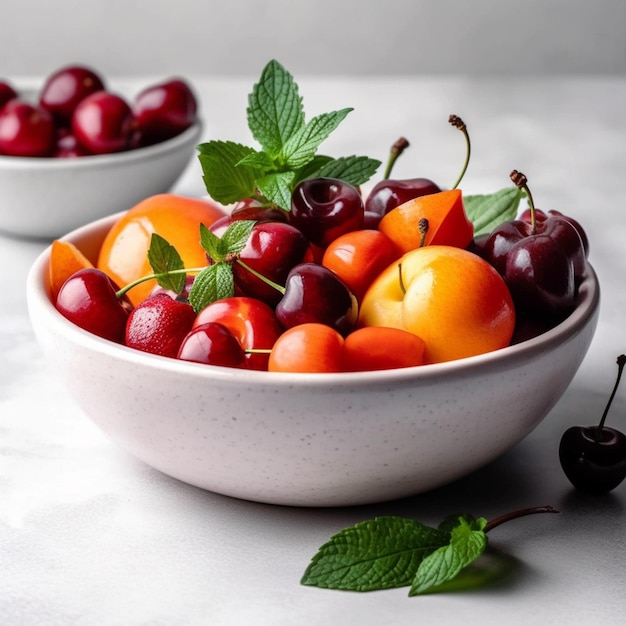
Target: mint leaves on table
[(288, 148), (388, 552)]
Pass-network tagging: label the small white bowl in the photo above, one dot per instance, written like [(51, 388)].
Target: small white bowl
[(311, 439), (43, 198)]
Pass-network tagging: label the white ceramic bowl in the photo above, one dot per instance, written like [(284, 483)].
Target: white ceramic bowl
[(311, 439), (44, 198)]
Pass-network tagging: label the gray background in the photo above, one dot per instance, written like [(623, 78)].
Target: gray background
[(202, 37)]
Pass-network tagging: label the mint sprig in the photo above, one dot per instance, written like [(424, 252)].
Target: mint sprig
[(288, 147), (388, 552)]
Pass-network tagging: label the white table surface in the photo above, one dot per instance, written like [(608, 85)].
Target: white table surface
[(91, 536)]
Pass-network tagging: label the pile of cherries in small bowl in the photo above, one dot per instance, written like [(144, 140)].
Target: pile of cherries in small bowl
[(76, 114)]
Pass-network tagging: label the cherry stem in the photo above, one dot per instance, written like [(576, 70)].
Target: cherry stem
[(507, 517), (621, 361), (457, 122), (521, 182), (422, 226), (266, 280), (155, 276), (398, 147)]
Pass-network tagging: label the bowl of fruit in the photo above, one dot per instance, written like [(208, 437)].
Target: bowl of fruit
[(306, 347), (73, 149)]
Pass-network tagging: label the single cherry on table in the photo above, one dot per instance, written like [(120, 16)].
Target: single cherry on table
[(594, 457)]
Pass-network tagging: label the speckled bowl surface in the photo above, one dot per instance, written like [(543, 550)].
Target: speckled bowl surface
[(44, 198), (311, 439)]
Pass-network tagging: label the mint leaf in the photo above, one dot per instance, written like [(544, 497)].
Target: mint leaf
[(377, 554), (212, 283), (275, 110), (467, 542), (164, 258), (355, 170), (301, 147), (230, 244), (488, 211), (277, 188), (226, 176)]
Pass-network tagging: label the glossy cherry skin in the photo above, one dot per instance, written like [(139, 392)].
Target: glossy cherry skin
[(324, 208), (65, 88), (251, 321), (213, 344), (26, 130), (389, 193), (313, 293), (6, 93), (159, 324), (88, 299), (164, 110), (68, 147), (272, 250), (102, 123), (593, 458)]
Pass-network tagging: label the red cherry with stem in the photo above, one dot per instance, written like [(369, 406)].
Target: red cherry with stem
[(594, 457), (390, 193), (159, 324), (65, 88), (314, 293), (6, 93), (542, 261), (272, 250), (26, 130), (102, 123), (325, 208), (213, 344), (164, 110), (89, 299)]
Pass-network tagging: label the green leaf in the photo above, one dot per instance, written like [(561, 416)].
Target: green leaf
[(275, 110), (212, 283), (225, 178), (164, 258), (301, 147), (377, 554), (310, 169), (355, 170), (277, 188), (259, 161), (230, 244), (490, 210), (467, 542)]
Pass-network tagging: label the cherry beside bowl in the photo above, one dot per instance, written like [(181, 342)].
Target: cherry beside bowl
[(310, 439), (43, 198)]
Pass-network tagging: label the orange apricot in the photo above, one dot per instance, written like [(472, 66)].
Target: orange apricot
[(447, 221), (123, 255), (65, 260), (359, 256), (309, 347), (381, 348), (451, 298)]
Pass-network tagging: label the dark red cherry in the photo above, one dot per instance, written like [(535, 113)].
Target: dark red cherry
[(164, 110), (6, 93), (324, 208), (212, 343), (26, 130), (159, 324), (594, 457), (314, 293), (272, 250), (65, 88), (89, 299), (102, 123)]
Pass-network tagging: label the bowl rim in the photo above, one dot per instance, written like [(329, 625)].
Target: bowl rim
[(40, 304), (189, 135)]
